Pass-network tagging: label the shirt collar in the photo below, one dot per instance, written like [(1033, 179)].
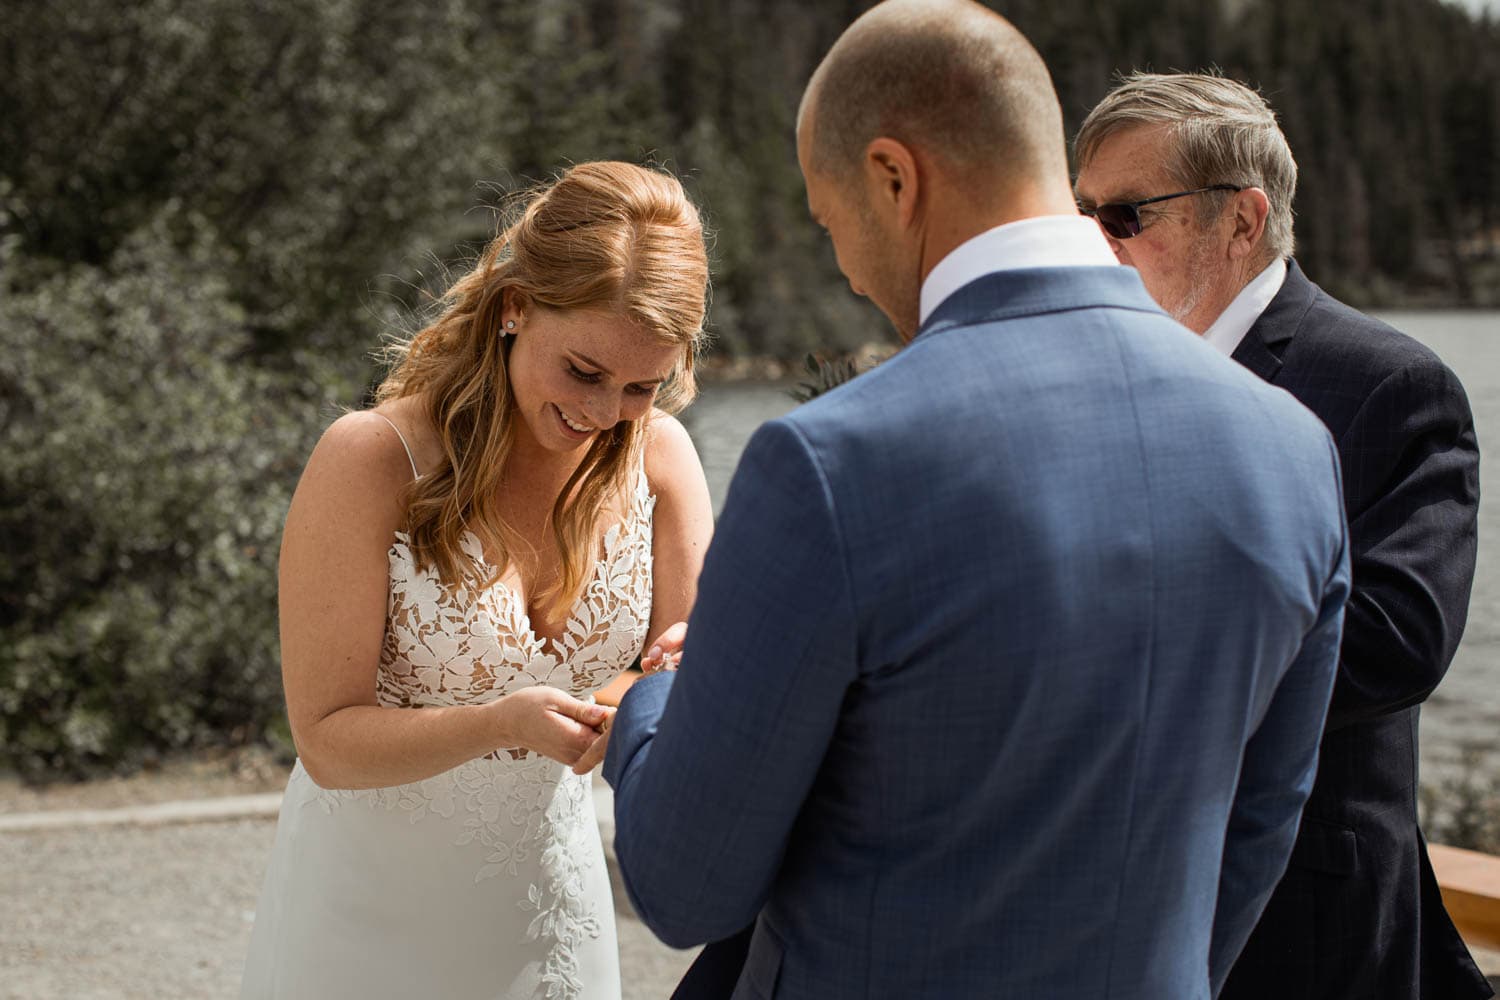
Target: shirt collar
[(1043, 241), (1240, 315)]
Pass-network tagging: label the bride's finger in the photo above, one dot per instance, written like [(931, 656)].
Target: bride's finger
[(671, 639), (587, 713)]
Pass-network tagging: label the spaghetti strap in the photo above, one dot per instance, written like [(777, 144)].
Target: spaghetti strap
[(414, 473)]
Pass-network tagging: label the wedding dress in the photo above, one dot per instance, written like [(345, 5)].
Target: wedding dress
[(487, 880)]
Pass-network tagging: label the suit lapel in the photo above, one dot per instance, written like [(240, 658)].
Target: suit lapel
[(1255, 355), (1265, 344)]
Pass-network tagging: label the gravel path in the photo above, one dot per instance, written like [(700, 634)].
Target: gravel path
[(129, 912), (118, 912), (164, 912)]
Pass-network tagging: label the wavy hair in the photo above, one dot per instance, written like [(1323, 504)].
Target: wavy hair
[(603, 235)]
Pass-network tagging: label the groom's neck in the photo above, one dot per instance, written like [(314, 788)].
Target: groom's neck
[(955, 215)]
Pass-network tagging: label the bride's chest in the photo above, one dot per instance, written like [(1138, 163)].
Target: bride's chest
[(449, 645)]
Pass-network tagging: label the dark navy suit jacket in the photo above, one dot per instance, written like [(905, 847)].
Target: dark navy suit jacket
[(1007, 669), (1358, 914)]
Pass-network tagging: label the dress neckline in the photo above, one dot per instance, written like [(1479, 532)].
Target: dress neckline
[(548, 643), (636, 512)]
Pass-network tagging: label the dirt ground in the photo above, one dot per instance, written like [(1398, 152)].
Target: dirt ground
[(124, 912), (163, 912)]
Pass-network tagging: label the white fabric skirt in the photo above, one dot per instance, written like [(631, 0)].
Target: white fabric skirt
[(487, 881)]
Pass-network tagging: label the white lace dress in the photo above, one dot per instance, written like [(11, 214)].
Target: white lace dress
[(487, 880)]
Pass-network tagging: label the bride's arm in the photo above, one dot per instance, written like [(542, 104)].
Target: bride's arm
[(682, 525), (334, 582)]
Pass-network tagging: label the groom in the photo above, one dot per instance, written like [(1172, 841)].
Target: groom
[(1010, 657)]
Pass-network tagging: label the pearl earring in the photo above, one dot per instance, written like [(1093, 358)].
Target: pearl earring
[(510, 328)]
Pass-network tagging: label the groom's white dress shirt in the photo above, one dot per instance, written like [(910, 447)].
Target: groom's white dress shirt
[(1240, 315), (1044, 241)]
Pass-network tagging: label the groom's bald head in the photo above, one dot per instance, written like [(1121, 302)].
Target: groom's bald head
[(948, 77)]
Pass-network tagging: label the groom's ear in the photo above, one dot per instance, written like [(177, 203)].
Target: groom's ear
[(891, 180)]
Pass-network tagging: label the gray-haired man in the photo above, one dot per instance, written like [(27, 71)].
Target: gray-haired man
[(1192, 181)]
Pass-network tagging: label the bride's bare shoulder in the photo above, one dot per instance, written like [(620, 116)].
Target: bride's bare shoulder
[(669, 449), (674, 472), (395, 429), (362, 441), (357, 473)]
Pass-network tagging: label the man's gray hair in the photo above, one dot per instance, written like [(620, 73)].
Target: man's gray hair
[(1224, 133)]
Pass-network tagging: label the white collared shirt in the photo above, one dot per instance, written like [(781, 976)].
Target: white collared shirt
[(1043, 241), (1240, 315)]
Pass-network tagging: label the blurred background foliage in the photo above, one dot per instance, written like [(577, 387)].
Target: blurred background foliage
[(212, 210), (1463, 808)]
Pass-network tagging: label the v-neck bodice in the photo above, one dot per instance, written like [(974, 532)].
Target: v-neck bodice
[(459, 645)]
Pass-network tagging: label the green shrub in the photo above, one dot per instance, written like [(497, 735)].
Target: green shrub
[(145, 468)]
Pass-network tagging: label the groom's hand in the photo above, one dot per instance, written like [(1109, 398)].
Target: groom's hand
[(666, 652), (594, 755)]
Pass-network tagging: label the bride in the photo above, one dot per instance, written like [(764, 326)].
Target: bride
[(461, 567)]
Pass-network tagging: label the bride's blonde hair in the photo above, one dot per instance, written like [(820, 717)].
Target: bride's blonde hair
[(604, 235)]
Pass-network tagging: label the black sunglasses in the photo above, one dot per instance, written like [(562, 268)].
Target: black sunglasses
[(1122, 220)]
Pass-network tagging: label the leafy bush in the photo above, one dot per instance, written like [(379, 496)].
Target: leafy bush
[(199, 199), (145, 468), (322, 141)]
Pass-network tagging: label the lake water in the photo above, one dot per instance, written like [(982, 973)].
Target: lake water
[(1465, 711)]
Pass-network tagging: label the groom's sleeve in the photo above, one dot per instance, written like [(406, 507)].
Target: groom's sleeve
[(710, 766), (1276, 777)]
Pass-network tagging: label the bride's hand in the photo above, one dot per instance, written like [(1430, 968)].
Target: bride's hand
[(550, 722), (666, 652)]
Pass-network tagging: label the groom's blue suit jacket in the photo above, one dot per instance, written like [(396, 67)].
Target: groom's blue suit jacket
[(1007, 670)]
